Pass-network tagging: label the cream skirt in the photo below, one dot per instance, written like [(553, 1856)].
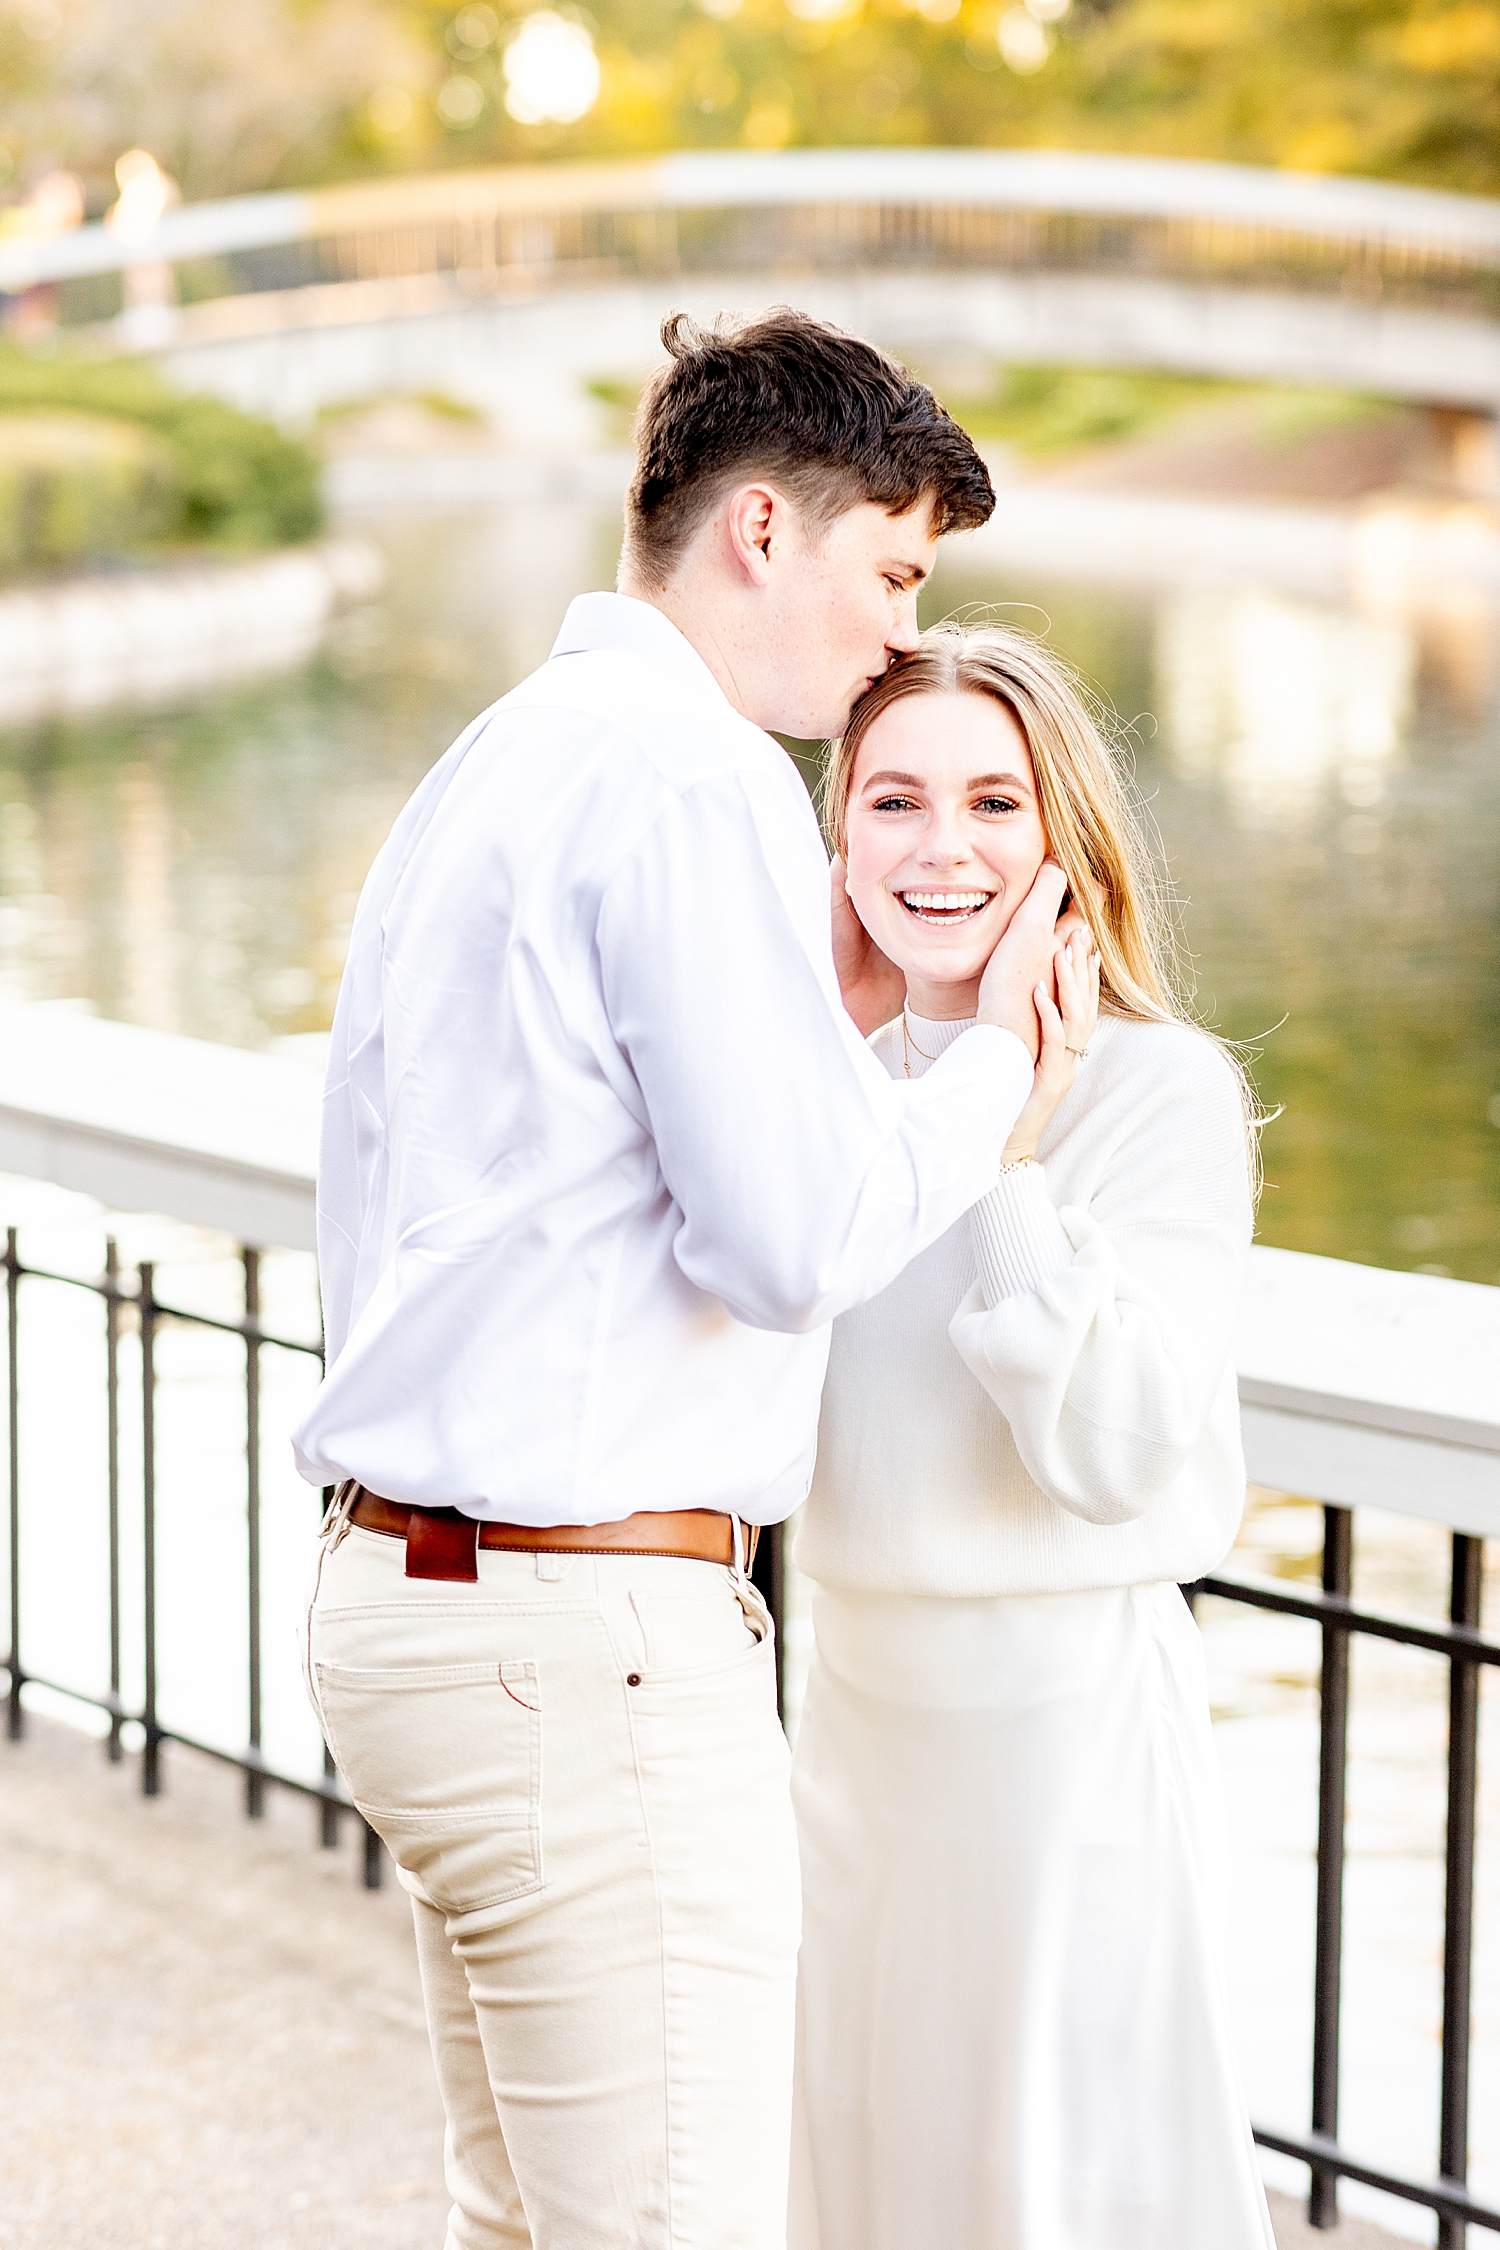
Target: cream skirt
[(1012, 2031)]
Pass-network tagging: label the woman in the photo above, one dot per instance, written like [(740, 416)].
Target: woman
[(1012, 2029)]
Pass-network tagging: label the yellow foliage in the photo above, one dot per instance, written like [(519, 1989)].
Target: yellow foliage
[(1457, 39), (769, 126), (1328, 145)]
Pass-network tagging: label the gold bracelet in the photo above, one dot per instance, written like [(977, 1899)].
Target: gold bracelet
[(1018, 1164)]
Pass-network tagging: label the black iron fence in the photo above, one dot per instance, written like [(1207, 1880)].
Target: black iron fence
[(1334, 1611), (131, 1300)]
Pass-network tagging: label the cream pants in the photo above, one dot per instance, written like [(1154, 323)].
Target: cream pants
[(577, 1767)]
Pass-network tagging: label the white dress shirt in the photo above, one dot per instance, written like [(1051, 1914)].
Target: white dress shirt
[(603, 1154)]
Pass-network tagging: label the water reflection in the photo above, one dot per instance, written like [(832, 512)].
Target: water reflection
[(1326, 782), (1277, 697)]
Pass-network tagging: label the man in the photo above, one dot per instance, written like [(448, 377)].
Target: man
[(604, 1153)]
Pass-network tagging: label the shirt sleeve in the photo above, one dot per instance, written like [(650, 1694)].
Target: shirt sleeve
[(1104, 1334), (805, 1179)]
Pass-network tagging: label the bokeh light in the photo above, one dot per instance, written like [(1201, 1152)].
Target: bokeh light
[(460, 100), (474, 29), (1024, 42), (551, 71)]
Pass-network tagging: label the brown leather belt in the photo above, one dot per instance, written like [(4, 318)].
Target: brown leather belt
[(442, 1542)]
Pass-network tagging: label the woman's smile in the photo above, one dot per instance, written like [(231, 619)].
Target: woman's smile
[(943, 909)]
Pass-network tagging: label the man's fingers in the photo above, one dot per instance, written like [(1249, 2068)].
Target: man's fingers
[(1036, 916), (1070, 924), (1045, 896)]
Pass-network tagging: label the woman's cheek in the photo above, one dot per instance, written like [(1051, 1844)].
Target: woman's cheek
[(865, 899), (865, 891)]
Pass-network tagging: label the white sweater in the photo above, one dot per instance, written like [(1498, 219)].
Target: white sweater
[(1045, 1400)]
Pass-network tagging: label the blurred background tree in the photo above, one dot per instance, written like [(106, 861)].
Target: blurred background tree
[(270, 92), (248, 94)]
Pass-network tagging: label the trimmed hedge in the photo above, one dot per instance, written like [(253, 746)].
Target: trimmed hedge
[(215, 476), (75, 485)]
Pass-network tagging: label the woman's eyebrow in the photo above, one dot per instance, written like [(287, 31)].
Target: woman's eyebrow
[(903, 780), (1000, 781)]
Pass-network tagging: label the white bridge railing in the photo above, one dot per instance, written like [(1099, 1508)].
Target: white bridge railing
[(1024, 253), (1411, 228)]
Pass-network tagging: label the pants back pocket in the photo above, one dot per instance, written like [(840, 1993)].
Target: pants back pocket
[(445, 1763)]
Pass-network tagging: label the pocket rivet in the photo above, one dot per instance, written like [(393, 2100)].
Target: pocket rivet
[(632, 1679)]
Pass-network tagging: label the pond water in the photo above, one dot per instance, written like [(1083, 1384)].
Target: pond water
[(1326, 783)]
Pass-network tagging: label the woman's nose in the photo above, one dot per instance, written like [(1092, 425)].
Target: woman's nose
[(944, 845)]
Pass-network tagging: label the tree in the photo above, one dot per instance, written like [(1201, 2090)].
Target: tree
[(1404, 89), (266, 92), (255, 94)]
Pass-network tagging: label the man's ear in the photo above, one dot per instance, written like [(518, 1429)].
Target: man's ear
[(754, 517)]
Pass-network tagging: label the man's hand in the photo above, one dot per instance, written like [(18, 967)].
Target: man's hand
[(873, 988), (1023, 960)]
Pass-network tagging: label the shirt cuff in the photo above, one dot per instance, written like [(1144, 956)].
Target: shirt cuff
[(1018, 1236)]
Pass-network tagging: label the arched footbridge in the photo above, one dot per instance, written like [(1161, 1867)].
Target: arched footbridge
[(513, 287)]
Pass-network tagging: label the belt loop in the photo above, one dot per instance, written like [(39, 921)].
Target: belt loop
[(335, 1524), (742, 1552)]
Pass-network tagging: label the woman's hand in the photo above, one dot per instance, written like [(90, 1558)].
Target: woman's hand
[(873, 988), (1067, 1025)]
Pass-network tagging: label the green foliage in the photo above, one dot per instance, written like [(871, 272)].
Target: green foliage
[(239, 481), (438, 403), (621, 397), (1052, 410), (1404, 89), (311, 90), (1042, 410), (76, 486)]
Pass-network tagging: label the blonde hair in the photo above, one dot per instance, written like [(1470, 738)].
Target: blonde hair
[(1094, 826)]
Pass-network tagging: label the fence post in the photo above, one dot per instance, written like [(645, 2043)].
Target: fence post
[(112, 1426), (1458, 1921), (151, 1753), (255, 1787), (768, 1575), (1333, 1749), (328, 1812), (17, 1717)]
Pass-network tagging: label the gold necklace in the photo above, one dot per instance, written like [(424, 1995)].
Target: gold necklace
[(908, 1043)]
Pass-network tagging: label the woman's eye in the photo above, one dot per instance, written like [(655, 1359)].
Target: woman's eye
[(892, 804), (998, 805)]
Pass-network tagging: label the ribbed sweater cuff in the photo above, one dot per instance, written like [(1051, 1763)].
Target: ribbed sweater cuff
[(1018, 1236)]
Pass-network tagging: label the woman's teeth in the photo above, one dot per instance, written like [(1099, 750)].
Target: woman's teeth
[(944, 906)]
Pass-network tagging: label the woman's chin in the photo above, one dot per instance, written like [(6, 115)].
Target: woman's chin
[(942, 969), (942, 993)]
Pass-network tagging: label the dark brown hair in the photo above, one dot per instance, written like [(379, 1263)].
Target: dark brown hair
[(828, 419)]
